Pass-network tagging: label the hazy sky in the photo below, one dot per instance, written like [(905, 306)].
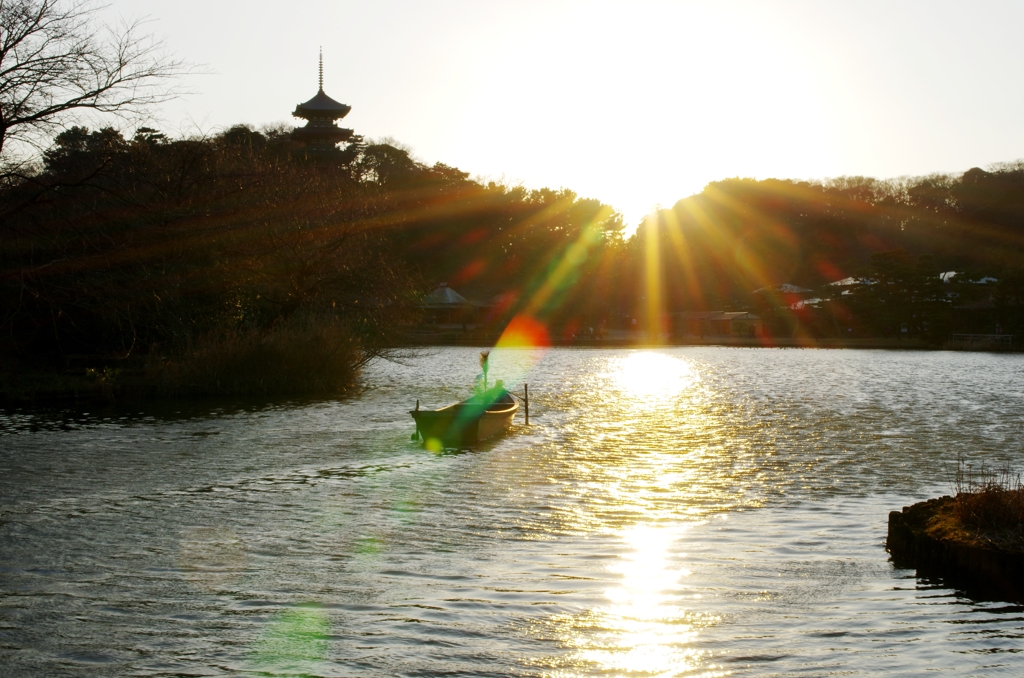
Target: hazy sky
[(635, 103)]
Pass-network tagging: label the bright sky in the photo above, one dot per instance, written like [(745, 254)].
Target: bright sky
[(634, 103)]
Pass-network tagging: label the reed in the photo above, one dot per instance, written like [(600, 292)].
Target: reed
[(308, 356), (990, 503)]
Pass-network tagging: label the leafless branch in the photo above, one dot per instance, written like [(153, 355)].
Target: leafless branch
[(57, 60)]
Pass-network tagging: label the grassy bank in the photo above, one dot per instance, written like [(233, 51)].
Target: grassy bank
[(974, 539), (303, 357), (298, 358), (22, 384), (987, 509)]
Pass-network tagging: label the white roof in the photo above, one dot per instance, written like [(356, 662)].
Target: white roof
[(445, 295), (802, 304), (785, 288), (949, 275)]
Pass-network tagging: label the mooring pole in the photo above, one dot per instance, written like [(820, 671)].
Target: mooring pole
[(526, 402), (416, 435)]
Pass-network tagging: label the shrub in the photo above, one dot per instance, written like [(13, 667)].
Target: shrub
[(990, 501), (312, 356)]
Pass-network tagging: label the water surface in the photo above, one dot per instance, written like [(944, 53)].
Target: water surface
[(678, 512)]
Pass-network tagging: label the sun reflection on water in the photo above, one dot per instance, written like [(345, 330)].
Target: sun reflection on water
[(653, 378), (645, 481), (644, 629)]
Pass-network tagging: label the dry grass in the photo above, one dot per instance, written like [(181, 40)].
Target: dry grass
[(989, 504), (311, 356)]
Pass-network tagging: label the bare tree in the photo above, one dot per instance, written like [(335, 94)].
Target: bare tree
[(56, 60)]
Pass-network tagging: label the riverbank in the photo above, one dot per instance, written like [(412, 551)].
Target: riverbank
[(23, 385), (95, 379), (455, 336), (932, 537)]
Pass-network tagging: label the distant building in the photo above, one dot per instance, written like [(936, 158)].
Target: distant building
[(717, 324), (320, 134), (445, 306), (793, 296), (847, 285)]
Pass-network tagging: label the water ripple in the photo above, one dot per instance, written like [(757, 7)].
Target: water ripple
[(683, 512)]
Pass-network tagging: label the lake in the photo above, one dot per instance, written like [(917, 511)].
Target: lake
[(669, 512)]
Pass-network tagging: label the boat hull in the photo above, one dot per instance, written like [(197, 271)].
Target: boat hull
[(466, 423)]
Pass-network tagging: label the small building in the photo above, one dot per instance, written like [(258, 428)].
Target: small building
[(445, 306), (785, 292), (846, 286), (717, 324)]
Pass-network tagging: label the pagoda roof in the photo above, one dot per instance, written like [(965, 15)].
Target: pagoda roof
[(326, 132), (320, 104)]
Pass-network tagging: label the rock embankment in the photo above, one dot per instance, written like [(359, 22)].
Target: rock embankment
[(927, 536)]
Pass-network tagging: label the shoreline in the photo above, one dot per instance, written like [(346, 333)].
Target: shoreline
[(638, 340), (21, 386), (926, 537)]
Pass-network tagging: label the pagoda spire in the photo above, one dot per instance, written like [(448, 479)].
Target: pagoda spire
[(320, 134)]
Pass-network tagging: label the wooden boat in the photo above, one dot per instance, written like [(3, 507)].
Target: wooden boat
[(468, 422)]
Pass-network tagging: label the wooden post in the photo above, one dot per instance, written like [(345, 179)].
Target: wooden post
[(416, 435), (526, 402)]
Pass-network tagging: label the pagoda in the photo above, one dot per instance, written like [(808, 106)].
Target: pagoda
[(320, 134)]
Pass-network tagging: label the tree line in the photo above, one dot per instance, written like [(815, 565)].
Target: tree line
[(121, 246), (731, 245), (163, 248)]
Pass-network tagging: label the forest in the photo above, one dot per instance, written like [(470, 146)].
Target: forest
[(735, 243), (204, 261), (210, 260)]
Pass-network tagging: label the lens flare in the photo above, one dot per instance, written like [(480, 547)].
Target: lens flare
[(520, 347), (295, 642), (652, 260), (524, 332), (469, 272)]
